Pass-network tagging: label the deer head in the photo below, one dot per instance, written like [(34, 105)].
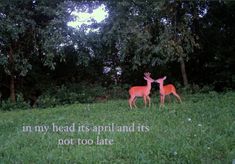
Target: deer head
[(160, 80), (147, 77)]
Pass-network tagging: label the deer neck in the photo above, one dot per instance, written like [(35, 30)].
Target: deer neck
[(161, 86), (148, 85)]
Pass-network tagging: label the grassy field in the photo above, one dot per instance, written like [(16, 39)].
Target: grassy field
[(200, 130)]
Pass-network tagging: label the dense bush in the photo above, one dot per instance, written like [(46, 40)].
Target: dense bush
[(70, 94), (91, 93), (118, 91), (194, 88), (80, 93), (7, 105)]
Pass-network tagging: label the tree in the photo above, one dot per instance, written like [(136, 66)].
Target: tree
[(16, 33), (153, 33), (178, 39), (29, 29)]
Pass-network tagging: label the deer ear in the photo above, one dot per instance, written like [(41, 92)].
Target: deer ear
[(164, 78)]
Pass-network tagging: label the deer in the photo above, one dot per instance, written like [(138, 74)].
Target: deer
[(166, 90), (141, 91)]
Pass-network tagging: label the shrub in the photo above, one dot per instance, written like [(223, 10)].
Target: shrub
[(47, 100), (74, 93), (20, 104), (194, 88), (118, 92)]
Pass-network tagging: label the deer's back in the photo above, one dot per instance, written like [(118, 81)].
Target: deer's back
[(168, 89), (139, 91)]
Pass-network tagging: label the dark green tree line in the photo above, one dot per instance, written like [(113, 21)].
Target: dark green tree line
[(192, 41)]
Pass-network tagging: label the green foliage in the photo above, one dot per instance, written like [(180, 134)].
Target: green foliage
[(32, 30), (137, 36), (7, 105), (194, 88), (152, 35), (118, 91), (74, 93), (81, 93)]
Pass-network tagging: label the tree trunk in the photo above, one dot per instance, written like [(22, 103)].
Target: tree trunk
[(12, 89), (183, 71), (12, 79)]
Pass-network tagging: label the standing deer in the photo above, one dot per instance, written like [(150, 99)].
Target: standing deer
[(141, 91), (166, 90)]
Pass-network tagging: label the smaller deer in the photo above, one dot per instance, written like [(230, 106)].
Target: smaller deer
[(141, 91), (166, 90)]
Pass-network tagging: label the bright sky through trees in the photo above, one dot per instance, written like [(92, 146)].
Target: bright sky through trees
[(98, 14)]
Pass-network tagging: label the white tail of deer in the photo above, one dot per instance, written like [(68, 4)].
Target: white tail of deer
[(141, 91), (166, 90)]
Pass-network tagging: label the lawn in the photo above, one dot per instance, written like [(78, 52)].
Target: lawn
[(200, 130)]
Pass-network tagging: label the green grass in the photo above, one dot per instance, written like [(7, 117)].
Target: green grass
[(200, 130)]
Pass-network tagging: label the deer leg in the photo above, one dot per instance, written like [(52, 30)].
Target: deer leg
[(131, 101), (134, 102), (145, 101), (149, 100), (178, 97), (169, 97), (161, 100)]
